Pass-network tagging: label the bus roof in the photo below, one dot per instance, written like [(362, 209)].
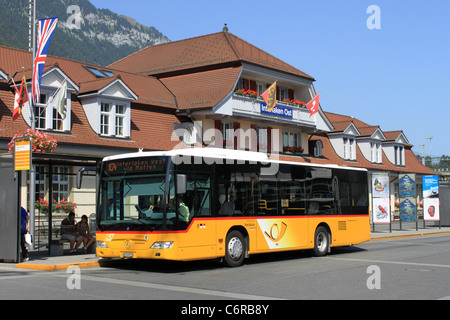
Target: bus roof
[(217, 153)]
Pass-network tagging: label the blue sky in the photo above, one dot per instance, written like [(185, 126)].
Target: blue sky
[(397, 77)]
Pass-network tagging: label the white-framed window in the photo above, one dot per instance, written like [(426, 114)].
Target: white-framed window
[(261, 87), (349, 149), (292, 139), (41, 112), (114, 119), (120, 120), (263, 141), (57, 121), (228, 134), (47, 117), (375, 152), (284, 94), (105, 118), (318, 148), (399, 155)]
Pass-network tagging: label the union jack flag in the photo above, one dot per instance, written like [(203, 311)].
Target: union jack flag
[(45, 32)]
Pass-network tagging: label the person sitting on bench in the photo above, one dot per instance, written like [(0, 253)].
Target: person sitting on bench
[(68, 232)]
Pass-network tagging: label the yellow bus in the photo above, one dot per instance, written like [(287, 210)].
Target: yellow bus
[(206, 203)]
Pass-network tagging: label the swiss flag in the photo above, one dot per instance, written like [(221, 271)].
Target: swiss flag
[(20, 98), (313, 106)]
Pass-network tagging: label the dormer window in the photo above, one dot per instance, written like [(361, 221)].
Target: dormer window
[(318, 149), (108, 108)]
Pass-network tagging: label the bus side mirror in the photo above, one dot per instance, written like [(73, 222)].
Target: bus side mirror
[(181, 183), (80, 174)]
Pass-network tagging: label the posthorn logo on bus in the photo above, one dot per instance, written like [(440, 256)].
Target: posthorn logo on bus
[(276, 233)]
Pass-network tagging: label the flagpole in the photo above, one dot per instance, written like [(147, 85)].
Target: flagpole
[(32, 186), (33, 120)]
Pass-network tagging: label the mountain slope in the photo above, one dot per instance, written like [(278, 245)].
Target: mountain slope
[(102, 38)]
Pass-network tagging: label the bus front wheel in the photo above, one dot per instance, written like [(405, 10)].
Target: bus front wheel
[(235, 249), (321, 242)]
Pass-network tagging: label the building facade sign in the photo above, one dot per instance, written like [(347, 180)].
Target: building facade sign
[(280, 111)]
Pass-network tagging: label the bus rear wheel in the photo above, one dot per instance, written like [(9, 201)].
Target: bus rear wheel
[(235, 249), (321, 242)]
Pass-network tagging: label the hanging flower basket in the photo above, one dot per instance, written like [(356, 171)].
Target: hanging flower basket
[(42, 143)]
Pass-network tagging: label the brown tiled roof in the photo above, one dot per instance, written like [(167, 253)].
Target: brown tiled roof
[(202, 89), (149, 90), (209, 51), (151, 128), (337, 118), (392, 135), (340, 126), (341, 122), (367, 131), (148, 117)]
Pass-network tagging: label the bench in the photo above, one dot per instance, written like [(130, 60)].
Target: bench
[(57, 247)]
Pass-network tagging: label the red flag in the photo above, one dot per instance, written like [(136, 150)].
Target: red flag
[(20, 98), (270, 96), (313, 106)]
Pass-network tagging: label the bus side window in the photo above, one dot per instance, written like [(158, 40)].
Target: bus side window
[(267, 198)]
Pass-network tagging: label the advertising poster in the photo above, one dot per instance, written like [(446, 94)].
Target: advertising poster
[(407, 189), (380, 185), (381, 211), (431, 198)]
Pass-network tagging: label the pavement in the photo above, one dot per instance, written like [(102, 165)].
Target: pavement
[(47, 263)]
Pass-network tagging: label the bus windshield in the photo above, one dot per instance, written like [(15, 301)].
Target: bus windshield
[(135, 195)]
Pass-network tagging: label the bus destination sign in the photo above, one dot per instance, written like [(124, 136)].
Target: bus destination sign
[(135, 165)]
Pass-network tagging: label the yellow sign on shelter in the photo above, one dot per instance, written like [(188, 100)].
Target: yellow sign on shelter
[(22, 155)]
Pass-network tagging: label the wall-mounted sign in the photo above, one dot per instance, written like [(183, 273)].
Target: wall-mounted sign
[(22, 154), (280, 111)]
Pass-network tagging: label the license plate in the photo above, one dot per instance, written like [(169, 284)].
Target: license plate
[(128, 255)]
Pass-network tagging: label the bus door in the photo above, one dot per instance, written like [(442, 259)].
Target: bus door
[(194, 218)]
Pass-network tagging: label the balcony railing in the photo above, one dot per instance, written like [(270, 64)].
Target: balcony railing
[(251, 106)]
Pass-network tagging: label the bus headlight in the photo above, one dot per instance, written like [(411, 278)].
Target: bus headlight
[(101, 244), (162, 245)]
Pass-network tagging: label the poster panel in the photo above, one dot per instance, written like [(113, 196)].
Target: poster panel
[(407, 190), (431, 198), (380, 185), (381, 210)]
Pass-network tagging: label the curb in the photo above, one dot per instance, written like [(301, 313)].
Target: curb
[(413, 235), (64, 266)]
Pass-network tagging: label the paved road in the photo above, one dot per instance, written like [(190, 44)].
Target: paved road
[(414, 268)]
